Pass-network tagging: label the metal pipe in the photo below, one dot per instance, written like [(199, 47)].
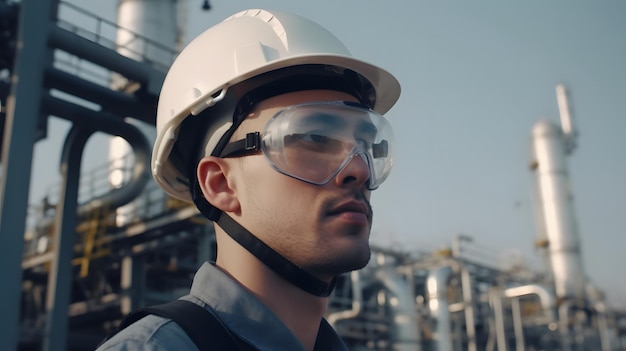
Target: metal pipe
[(468, 301), (518, 327), (546, 298), (115, 102), (495, 297), (564, 313), (357, 301), (466, 288), (102, 56), (606, 340), (60, 279), (86, 122), (567, 124), (132, 282), (467, 306), (405, 331), (437, 294), (113, 125), (491, 339)]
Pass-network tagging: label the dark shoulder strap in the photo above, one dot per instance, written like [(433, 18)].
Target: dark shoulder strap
[(201, 326)]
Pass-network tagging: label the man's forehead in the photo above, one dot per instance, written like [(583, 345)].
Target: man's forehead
[(266, 109)]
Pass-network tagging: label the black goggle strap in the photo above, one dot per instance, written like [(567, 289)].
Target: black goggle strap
[(250, 144), (381, 149), (276, 262), (209, 211)]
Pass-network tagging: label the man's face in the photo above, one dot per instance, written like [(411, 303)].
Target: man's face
[(323, 229)]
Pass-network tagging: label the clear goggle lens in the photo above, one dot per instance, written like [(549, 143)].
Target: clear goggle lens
[(313, 142)]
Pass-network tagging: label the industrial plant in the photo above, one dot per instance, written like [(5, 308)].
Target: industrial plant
[(105, 242)]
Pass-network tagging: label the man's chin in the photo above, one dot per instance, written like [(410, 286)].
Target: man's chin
[(344, 262)]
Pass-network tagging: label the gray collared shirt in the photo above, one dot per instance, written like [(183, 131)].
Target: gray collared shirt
[(239, 311)]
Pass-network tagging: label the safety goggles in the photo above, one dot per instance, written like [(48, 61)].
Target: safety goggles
[(313, 142)]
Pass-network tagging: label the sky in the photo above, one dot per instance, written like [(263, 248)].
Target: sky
[(476, 76)]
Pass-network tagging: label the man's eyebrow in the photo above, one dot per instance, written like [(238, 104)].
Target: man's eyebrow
[(366, 128), (326, 119)]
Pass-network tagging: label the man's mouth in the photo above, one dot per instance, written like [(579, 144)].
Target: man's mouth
[(355, 211)]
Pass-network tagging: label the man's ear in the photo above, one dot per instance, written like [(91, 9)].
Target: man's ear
[(213, 178)]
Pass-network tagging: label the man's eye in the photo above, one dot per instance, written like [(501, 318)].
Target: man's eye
[(318, 138), (308, 137)]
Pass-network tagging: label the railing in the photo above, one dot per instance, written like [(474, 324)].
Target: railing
[(94, 182), (101, 31), (151, 204)]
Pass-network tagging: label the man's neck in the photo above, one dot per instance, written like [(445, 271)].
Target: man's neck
[(300, 311)]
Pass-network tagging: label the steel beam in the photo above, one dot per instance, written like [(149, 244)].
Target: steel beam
[(20, 134), (60, 277)]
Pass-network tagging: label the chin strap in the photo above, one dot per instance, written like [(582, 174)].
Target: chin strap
[(275, 261), (280, 265)]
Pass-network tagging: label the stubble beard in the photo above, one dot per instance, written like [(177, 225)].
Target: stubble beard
[(318, 257), (336, 263)]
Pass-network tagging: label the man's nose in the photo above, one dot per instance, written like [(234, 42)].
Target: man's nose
[(355, 173)]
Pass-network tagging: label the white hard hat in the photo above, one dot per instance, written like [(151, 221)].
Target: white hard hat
[(245, 45)]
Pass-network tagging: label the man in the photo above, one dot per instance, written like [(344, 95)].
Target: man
[(275, 132)]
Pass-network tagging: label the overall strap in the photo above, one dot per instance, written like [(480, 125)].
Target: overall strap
[(202, 327)]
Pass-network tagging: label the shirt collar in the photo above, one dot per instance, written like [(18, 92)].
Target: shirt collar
[(249, 318)]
